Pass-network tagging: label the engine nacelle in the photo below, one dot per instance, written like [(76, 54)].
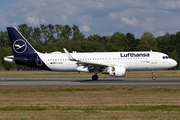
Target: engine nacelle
[(117, 71)]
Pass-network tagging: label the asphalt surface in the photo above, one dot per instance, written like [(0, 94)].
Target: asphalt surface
[(88, 82)]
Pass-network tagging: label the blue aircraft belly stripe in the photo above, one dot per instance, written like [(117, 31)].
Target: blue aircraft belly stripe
[(31, 61)]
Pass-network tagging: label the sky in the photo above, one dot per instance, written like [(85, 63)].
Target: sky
[(102, 17)]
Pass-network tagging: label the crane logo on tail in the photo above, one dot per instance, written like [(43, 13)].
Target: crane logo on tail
[(19, 46)]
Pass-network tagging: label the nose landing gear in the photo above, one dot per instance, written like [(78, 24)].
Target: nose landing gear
[(153, 73)]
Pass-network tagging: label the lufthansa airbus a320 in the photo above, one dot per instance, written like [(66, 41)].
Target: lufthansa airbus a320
[(112, 63)]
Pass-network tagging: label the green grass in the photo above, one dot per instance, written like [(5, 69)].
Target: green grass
[(90, 102), (70, 89), (109, 89), (129, 88), (142, 108), (46, 89), (22, 108)]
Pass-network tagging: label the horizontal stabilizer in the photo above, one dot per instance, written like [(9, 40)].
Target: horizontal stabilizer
[(12, 59)]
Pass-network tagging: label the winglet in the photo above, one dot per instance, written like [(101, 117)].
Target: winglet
[(69, 55)]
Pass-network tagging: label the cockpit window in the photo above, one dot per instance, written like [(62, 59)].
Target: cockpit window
[(166, 57)]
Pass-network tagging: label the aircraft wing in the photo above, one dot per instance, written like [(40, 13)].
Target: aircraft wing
[(88, 63), (85, 63)]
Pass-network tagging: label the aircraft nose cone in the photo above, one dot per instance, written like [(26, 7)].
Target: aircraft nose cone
[(174, 63)]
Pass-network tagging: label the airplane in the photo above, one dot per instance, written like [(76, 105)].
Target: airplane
[(113, 63)]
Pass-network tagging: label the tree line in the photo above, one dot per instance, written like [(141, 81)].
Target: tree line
[(50, 38)]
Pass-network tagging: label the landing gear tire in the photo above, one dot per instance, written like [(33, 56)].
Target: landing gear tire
[(94, 77), (154, 77), (153, 73)]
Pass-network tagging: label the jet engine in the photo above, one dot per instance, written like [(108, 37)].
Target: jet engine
[(117, 71)]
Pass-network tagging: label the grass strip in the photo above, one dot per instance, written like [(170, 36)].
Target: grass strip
[(41, 76), (46, 89), (23, 108), (142, 108), (85, 89)]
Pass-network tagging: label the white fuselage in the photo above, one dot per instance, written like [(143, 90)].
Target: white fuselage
[(129, 60)]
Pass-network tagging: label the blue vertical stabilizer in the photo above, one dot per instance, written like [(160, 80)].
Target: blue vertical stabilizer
[(19, 44)]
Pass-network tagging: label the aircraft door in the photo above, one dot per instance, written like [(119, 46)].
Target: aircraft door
[(153, 58), (39, 61)]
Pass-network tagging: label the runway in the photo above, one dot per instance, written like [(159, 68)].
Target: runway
[(88, 82)]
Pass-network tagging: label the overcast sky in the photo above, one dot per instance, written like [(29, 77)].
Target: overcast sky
[(103, 17)]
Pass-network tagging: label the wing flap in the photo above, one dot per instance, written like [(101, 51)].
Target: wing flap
[(86, 63)]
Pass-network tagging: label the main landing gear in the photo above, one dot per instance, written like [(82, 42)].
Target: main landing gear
[(153, 73), (95, 77)]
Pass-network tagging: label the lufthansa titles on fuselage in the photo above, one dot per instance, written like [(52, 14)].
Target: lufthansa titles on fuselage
[(134, 55)]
